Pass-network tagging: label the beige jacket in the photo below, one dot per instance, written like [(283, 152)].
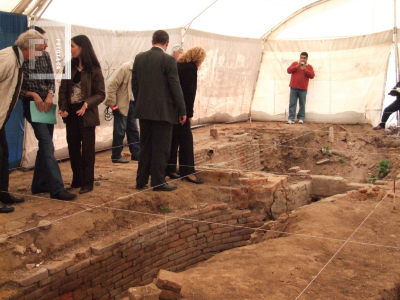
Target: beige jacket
[(9, 66), (119, 91)]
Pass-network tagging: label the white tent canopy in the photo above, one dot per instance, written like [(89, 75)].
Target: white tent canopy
[(249, 46)]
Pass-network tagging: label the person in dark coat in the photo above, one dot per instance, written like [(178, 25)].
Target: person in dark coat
[(182, 138), (159, 104), (395, 106), (79, 99)]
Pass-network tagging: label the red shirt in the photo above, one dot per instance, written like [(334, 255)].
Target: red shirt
[(299, 78)]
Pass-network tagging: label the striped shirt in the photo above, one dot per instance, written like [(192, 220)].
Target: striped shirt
[(38, 85)]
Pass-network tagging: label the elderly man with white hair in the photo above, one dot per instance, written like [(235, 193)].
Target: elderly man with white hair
[(11, 77), (177, 51)]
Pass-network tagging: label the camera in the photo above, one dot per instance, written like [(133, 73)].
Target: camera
[(303, 63)]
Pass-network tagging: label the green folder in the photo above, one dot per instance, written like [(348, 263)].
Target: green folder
[(43, 117)]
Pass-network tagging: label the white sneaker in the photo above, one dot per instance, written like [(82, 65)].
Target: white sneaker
[(301, 121), (290, 122)]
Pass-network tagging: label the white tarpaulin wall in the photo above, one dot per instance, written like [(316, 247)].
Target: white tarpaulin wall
[(225, 84), (227, 76), (350, 77)]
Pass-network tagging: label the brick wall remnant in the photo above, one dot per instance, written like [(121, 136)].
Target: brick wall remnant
[(111, 269)]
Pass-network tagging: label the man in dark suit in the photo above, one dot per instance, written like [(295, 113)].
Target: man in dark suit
[(159, 105)]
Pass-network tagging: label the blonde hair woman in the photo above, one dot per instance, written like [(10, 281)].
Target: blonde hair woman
[(188, 64)]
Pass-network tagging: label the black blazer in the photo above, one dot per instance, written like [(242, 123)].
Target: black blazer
[(155, 86), (188, 79)]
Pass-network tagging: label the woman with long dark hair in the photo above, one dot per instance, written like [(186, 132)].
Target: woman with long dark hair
[(78, 101), (188, 64)]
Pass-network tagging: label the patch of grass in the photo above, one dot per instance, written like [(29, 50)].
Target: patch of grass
[(341, 160), (384, 167), (97, 183), (345, 291), (326, 151), (371, 178), (164, 209)]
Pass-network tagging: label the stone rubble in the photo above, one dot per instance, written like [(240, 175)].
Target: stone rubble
[(147, 292), (44, 224), (20, 250)]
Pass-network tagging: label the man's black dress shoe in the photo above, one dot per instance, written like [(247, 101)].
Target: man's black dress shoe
[(85, 189), (10, 199), (64, 195), (5, 208), (120, 161), (172, 176), (196, 181), (165, 188)]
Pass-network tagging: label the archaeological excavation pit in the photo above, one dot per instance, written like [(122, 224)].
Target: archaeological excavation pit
[(256, 175)]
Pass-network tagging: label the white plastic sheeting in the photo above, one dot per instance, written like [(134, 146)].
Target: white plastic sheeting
[(8, 5), (338, 18), (227, 77), (250, 18), (349, 83)]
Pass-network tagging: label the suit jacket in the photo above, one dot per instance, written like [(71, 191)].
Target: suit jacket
[(156, 88), (93, 93), (188, 78)]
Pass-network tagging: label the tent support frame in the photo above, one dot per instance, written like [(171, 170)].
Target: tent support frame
[(187, 26)]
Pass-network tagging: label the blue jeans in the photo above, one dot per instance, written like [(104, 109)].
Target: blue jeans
[(294, 95), (128, 125), (47, 174)]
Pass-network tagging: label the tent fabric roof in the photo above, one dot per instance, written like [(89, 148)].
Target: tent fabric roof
[(252, 18), (337, 19), (8, 5)]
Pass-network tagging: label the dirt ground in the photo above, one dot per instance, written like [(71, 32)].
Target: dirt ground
[(282, 267), (278, 268)]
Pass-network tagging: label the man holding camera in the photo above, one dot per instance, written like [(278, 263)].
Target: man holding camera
[(120, 100), (301, 72)]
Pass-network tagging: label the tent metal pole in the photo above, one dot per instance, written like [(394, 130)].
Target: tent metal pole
[(265, 36), (42, 11), (21, 6), (186, 27), (32, 7)]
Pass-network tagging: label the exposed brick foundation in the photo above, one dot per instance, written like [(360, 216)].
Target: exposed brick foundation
[(110, 270), (243, 153)]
